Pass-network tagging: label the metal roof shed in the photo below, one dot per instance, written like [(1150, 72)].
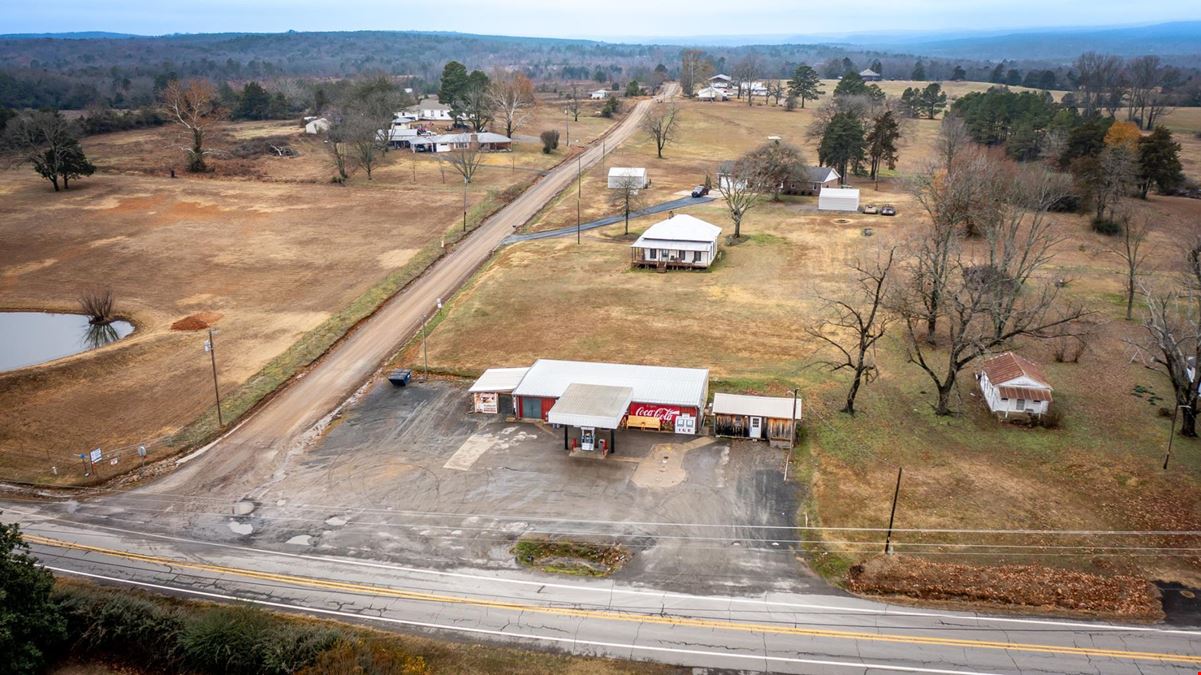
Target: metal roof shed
[(591, 405), (621, 176), (838, 199), (755, 417), (500, 380)]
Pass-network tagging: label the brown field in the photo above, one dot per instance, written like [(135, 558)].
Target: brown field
[(288, 260), (744, 319)]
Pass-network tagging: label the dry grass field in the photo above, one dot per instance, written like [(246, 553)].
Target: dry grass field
[(287, 260), (744, 319)]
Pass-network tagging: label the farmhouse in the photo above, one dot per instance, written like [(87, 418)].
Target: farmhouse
[(869, 75), (755, 88), (720, 81), (430, 110), (493, 391), (317, 125), (680, 242), (821, 177), (599, 94), (838, 199), (712, 94), (1013, 384), (587, 397), (487, 141), (620, 177), (757, 417)]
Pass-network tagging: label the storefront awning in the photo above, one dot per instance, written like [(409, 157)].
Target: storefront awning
[(591, 405)]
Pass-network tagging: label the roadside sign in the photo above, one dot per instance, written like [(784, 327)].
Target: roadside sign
[(141, 451), (208, 346), (96, 456)]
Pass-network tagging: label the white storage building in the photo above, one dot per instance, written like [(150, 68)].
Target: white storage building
[(838, 199), (621, 176), (1013, 384), (493, 391)]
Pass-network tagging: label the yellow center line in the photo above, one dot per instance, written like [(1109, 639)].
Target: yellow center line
[(609, 615)]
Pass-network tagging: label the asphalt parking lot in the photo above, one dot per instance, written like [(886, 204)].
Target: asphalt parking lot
[(411, 475)]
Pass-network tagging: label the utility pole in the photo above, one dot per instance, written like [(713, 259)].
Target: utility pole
[(211, 348), (892, 516), (1171, 436), (579, 179), (464, 204), (567, 121)]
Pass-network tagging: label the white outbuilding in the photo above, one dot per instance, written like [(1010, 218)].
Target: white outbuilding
[(1012, 384), (680, 242), (493, 392), (712, 94), (318, 125), (838, 199), (600, 94), (771, 418), (623, 176)]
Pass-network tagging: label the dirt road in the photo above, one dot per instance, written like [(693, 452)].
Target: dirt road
[(281, 425)]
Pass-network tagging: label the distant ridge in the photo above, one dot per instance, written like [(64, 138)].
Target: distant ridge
[(82, 35)]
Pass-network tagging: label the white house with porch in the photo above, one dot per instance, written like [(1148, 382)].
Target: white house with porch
[(712, 94), (680, 242), (720, 81), (1012, 384), (430, 110)]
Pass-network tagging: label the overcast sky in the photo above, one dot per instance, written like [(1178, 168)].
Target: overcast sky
[(576, 18)]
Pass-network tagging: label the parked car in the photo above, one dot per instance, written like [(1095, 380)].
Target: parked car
[(700, 191), (871, 209), (888, 210)]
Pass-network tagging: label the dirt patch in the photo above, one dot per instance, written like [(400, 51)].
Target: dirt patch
[(578, 558), (197, 321), (1009, 586)]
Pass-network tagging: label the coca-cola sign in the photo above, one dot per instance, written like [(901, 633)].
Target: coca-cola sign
[(662, 412)]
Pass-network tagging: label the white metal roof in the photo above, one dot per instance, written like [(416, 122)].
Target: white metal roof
[(591, 405), (625, 171), (482, 137), (651, 384), (681, 229), (778, 407), (848, 193), (498, 380)]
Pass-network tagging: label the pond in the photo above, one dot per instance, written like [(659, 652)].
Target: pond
[(29, 338)]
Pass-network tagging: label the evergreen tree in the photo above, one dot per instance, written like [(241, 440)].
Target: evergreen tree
[(842, 144), (805, 84), (454, 83), (959, 74), (254, 103), (1013, 77), (919, 71), (878, 67), (882, 142), (30, 622), (998, 74), (1159, 162)]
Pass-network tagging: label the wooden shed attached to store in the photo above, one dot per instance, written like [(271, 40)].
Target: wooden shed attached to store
[(492, 393), (771, 418)]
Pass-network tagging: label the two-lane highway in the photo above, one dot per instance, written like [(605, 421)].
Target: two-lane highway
[(776, 632)]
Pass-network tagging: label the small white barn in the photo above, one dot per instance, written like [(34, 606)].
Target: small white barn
[(1013, 384), (838, 199), (680, 242), (712, 94), (600, 94), (622, 176), (319, 125)]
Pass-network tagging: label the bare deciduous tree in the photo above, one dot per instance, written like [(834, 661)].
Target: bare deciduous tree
[(1129, 247), (466, 160), (194, 106), (626, 195), (745, 72), (856, 324), (741, 185), (1173, 340), (339, 145), (511, 94), (573, 103), (661, 124)]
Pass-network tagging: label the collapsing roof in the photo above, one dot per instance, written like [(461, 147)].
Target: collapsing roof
[(591, 405)]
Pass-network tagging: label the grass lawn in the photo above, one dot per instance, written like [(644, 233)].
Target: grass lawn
[(744, 320), (285, 261)]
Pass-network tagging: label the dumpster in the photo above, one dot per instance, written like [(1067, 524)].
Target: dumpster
[(401, 377)]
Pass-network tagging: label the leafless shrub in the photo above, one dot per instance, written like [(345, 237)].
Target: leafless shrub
[(97, 305)]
